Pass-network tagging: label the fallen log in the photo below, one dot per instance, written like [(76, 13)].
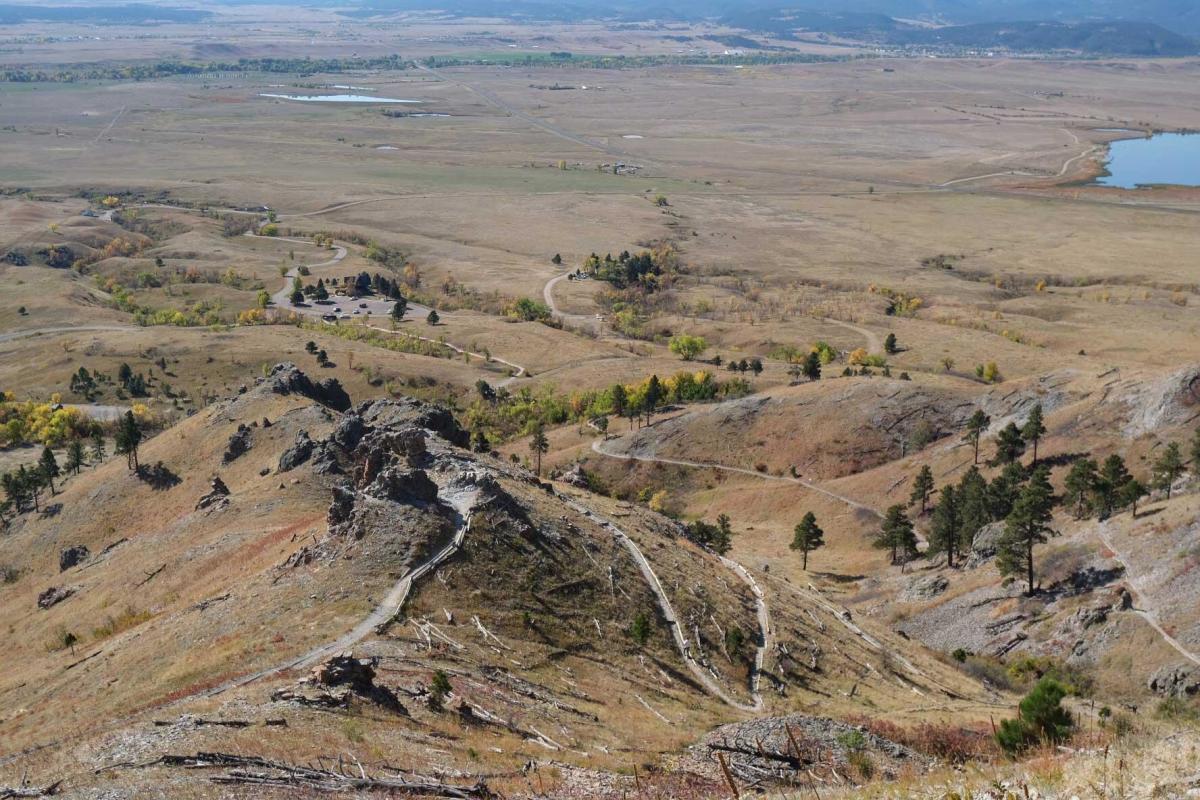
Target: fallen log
[(255, 771), (29, 791)]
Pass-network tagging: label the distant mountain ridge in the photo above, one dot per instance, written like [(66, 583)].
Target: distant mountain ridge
[(1101, 38), (1176, 17)]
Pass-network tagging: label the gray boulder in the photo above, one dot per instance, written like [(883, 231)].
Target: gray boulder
[(239, 444), (985, 544), (926, 588), (53, 596), (72, 556), (300, 451)]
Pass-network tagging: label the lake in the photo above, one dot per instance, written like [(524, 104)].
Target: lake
[(1166, 158), (336, 98)]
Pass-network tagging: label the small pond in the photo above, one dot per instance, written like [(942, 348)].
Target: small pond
[(1162, 159)]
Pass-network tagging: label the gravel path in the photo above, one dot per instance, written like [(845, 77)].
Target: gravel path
[(1146, 611)]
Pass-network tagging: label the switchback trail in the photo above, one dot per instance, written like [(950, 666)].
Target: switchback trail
[(668, 612)]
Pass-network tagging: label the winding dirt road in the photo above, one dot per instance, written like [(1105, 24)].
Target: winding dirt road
[(598, 447)]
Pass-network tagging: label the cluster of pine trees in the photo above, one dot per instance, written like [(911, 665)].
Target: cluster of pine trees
[(625, 270), (24, 486), (1021, 496)]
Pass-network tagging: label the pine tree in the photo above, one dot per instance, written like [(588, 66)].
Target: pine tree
[(98, 453), (889, 344), (807, 537), (619, 398), (1041, 719), (128, 438), (1168, 468), (1010, 445), (1131, 492), (1027, 526), (31, 481), (897, 535), (653, 396), (946, 531), (976, 425), (16, 490), (972, 507), (1004, 489), (539, 444), (1195, 453), (432, 317), (1080, 484), (922, 488), (1112, 479), (812, 367), (399, 308), (1034, 429), (723, 539), (48, 467), (75, 456)]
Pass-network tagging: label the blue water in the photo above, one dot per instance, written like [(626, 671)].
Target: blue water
[(337, 98), (1166, 158)]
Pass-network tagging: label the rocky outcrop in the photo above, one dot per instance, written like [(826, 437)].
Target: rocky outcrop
[(287, 378), (1177, 680), (985, 544), (218, 496), (72, 556), (395, 413), (239, 444), (53, 596), (300, 451), (576, 477), (926, 588), (1164, 402)]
